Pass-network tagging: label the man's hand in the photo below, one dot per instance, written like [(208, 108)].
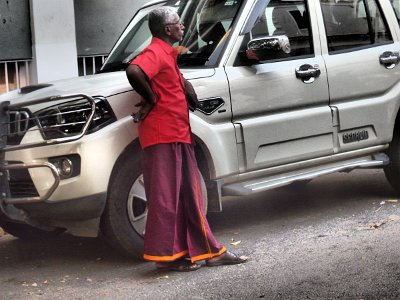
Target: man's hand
[(145, 108), (139, 81)]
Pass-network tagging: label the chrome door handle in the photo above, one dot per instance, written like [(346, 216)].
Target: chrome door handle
[(307, 73), (389, 59)]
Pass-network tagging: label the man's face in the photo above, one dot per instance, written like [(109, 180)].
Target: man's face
[(175, 29)]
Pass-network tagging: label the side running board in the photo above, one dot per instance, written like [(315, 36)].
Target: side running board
[(262, 184)]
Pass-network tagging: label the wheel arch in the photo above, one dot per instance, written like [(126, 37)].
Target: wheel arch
[(203, 157), (207, 169), (396, 124), (130, 149), (204, 161)]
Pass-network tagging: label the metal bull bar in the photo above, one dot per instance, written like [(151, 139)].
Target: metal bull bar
[(51, 190), (4, 189), (17, 106), (5, 197)]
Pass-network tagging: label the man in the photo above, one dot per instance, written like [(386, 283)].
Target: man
[(176, 226)]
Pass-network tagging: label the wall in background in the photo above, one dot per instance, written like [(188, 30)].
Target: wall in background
[(46, 40), (15, 30), (99, 23)]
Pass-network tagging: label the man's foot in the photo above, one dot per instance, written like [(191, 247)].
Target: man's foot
[(226, 258), (180, 265)]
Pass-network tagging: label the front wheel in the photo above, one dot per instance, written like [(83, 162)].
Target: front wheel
[(125, 215)]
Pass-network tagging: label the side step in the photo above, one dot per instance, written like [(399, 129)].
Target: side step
[(262, 184)]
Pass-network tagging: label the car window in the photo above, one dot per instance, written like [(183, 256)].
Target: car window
[(207, 24), (288, 18), (396, 7), (282, 18), (353, 24), (143, 37)]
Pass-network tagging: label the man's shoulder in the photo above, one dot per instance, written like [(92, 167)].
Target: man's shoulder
[(150, 50), (157, 51), (162, 46)]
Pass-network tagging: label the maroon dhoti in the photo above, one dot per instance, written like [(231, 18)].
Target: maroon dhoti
[(176, 224)]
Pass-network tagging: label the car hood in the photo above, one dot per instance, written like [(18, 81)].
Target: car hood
[(105, 84)]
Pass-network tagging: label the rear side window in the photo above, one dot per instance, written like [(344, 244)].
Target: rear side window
[(396, 7), (354, 24)]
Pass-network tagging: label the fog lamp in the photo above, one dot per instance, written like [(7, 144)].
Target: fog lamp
[(67, 166)]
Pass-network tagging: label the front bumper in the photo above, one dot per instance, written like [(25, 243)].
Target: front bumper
[(39, 196), (89, 207)]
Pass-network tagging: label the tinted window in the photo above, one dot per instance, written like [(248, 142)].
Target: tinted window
[(282, 18), (286, 18), (396, 7), (351, 24)]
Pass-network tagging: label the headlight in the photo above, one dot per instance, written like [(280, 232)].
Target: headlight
[(69, 118)]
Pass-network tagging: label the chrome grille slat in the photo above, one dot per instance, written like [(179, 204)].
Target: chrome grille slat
[(62, 113), (21, 121), (63, 125)]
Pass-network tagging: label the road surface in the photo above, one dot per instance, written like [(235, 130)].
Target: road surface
[(338, 237)]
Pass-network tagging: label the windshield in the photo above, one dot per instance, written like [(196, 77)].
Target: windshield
[(207, 26)]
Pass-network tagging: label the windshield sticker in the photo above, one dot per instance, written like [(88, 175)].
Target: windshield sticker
[(229, 3)]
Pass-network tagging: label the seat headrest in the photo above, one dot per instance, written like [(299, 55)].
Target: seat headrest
[(342, 11), (211, 31), (284, 21)]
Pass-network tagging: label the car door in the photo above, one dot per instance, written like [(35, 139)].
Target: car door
[(281, 115), (361, 55)]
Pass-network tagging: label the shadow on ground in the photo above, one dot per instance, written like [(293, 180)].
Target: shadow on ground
[(346, 196)]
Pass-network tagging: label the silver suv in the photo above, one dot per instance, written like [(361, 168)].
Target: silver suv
[(289, 90)]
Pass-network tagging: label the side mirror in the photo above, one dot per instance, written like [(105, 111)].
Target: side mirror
[(271, 47)]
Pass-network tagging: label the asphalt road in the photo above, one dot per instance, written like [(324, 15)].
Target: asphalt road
[(336, 238)]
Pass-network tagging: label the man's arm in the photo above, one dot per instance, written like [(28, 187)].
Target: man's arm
[(139, 81), (191, 96)]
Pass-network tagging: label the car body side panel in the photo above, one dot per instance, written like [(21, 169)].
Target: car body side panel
[(365, 93), (283, 119), (216, 130)]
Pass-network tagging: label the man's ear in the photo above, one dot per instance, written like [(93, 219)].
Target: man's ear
[(167, 30)]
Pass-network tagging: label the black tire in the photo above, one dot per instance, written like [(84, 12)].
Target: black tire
[(125, 214), (27, 232), (116, 225), (392, 170)]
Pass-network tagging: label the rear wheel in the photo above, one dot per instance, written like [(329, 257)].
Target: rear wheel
[(392, 170), (124, 218)]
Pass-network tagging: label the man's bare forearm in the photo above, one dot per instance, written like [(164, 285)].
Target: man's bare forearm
[(139, 81)]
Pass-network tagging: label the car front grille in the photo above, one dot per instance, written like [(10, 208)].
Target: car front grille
[(21, 184), (18, 124)]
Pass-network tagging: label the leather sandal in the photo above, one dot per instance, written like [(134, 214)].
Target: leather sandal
[(226, 258), (181, 265)]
